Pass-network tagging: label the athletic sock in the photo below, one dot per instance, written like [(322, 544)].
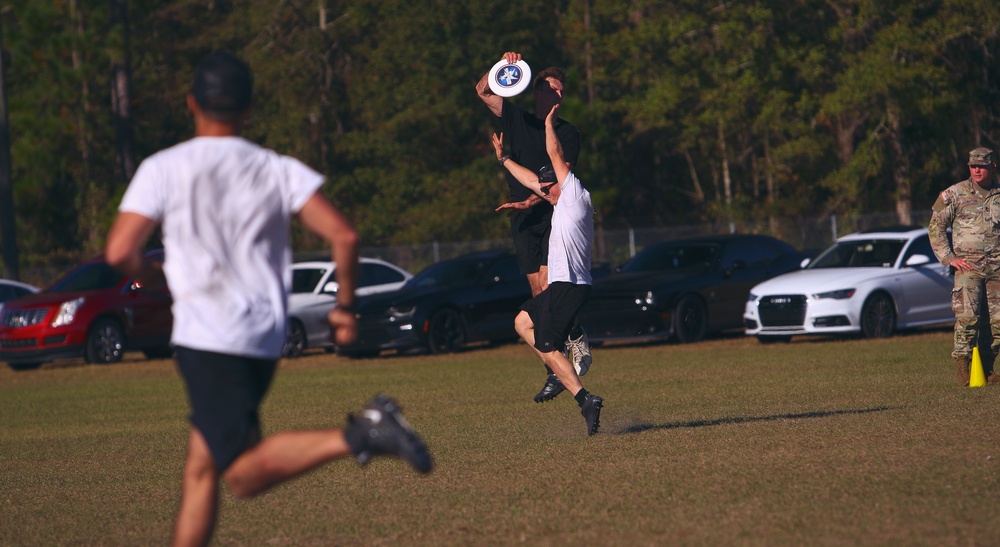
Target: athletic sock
[(581, 397), (576, 333), (549, 370)]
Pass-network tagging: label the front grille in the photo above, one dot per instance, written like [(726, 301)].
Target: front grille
[(16, 319), (782, 310)]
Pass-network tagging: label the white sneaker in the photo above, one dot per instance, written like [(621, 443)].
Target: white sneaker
[(579, 353)]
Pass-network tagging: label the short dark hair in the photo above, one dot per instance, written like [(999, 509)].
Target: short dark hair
[(551, 72), (223, 84)]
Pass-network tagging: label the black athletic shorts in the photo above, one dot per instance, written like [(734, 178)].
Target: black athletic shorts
[(553, 312), (225, 392), (530, 232)]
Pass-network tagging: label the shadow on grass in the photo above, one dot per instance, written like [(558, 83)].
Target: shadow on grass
[(639, 428)]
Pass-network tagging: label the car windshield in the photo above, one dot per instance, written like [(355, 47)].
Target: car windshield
[(449, 273), (304, 280), (88, 277), (673, 257), (860, 253)]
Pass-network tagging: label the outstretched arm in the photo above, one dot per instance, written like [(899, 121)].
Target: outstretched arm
[(554, 147), (523, 175)]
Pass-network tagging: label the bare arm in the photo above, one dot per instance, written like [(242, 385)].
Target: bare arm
[(321, 217), (554, 147), (525, 176), (123, 251), (494, 102), (533, 199)]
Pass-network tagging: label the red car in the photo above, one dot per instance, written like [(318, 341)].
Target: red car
[(93, 312)]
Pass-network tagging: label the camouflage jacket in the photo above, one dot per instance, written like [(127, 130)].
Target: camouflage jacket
[(973, 214)]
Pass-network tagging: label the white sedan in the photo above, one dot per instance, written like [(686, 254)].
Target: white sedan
[(314, 294), (872, 283)]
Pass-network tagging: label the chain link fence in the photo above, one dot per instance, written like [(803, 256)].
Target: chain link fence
[(612, 247), (615, 246)]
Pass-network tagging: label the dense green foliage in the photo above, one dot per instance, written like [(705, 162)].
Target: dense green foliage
[(690, 110)]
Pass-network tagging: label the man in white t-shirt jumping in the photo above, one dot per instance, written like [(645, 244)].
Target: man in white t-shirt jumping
[(224, 205), (545, 320)]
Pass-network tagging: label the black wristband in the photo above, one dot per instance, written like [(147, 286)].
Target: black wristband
[(504, 158)]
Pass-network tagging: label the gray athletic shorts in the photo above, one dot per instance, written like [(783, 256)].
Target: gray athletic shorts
[(225, 392)]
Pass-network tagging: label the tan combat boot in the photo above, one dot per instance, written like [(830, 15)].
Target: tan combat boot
[(993, 378), (963, 370)]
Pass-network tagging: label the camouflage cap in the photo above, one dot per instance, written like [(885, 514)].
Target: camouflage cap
[(981, 156)]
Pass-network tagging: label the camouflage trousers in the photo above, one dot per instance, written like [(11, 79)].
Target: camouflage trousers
[(973, 290)]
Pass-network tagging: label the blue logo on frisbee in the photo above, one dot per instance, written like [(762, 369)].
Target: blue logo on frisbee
[(509, 76)]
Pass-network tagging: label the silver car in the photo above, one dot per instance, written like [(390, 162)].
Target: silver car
[(314, 294)]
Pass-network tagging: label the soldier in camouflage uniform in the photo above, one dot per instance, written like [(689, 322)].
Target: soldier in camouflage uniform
[(971, 209)]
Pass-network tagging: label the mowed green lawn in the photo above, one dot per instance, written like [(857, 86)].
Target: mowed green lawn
[(724, 442)]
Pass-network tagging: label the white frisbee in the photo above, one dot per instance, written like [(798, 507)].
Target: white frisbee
[(507, 80)]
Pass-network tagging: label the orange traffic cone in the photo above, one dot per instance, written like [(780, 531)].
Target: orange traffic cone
[(977, 378)]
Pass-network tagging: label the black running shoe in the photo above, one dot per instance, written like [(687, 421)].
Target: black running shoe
[(381, 430), (553, 386), (591, 410)]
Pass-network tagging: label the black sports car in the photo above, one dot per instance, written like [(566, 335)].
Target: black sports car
[(684, 289), (473, 298)]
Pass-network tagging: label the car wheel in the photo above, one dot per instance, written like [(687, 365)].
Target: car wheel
[(878, 316), (446, 333), (23, 366), (690, 320), (765, 339), (295, 339), (105, 342)]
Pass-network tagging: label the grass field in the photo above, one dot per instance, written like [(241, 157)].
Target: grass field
[(724, 442)]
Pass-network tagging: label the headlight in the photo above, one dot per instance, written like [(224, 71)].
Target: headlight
[(67, 312), (752, 298), (842, 294)]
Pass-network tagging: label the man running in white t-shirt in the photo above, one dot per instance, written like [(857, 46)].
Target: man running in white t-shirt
[(545, 320), (225, 205)]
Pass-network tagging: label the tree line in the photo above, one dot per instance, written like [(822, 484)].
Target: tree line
[(690, 110)]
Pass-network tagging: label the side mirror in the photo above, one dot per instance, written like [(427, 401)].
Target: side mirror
[(917, 260), (331, 287), (805, 262)]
